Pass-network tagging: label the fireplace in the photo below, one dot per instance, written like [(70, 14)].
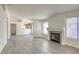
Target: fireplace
[(55, 36)]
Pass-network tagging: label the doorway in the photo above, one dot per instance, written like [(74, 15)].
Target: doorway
[(13, 29)]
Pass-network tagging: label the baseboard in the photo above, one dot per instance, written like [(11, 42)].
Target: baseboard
[(37, 37), (73, 46), (2, 45)]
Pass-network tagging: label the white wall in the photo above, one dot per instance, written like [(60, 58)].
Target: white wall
[(8, 21), (58, 22), (37, 28), (9, 28), (3, 28)]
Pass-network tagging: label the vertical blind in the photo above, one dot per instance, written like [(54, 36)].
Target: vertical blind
[(72, 27)]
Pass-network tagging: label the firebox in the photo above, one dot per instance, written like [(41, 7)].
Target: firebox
[(55, 36)]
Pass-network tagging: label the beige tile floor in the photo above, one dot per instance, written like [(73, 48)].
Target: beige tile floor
[(29, 45)]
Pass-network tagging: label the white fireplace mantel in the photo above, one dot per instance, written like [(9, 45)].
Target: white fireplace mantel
[(55, 30)]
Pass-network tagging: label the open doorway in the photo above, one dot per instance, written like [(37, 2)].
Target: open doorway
[(13, 29)]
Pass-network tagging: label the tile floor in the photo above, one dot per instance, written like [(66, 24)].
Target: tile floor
[(29, 45)]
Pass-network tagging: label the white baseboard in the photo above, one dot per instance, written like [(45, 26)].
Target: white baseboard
[(75, 46), (72, 45), (2, 45)]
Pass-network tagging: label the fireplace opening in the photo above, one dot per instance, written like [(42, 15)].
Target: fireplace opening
[(55, 37)]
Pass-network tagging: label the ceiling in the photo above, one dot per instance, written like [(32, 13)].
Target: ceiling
[(39, 11)]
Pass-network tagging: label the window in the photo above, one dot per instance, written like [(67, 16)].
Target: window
[(71, 27), (45, 26)]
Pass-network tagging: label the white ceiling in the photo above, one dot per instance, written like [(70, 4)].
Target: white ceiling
[(39, 11)]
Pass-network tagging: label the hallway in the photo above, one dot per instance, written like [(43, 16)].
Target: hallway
[(29, 45)]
